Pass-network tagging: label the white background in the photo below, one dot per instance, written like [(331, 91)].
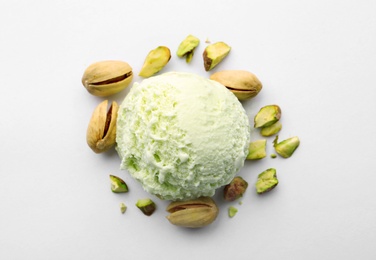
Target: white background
[(316, 60)]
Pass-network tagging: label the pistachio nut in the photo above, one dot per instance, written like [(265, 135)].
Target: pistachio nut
[(257, 150), (123, 207), (243, 84), (266, 181), (105, 78), (235, 189), (267, 116), (147, 206), (193, 213), (232, 211), (287, 147), (271, 129), (214, 54), (118, 185), (187, 47), (101, 131), (155, 61)]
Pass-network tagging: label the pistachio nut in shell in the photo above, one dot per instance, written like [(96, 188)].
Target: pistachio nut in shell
[(105, 78), (155, 61), (101, 131), (193, 213), (243, 84), (214, 54)]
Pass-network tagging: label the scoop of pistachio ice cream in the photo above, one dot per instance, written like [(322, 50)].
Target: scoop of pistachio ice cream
[(182, 136)]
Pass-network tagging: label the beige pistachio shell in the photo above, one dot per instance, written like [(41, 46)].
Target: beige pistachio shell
[(101, 131), (193, 213), (105, 78), (243, 84)]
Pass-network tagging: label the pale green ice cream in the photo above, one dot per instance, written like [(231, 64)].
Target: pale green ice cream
[(182, 136)]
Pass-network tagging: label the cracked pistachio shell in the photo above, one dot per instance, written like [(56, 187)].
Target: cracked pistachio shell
[(287, 147), (155, 61), (266, 181), (106, 78), (243, 84), (267, 116), (187, 47), (257, 150), (214, 54), (195, 213), (101, 131)]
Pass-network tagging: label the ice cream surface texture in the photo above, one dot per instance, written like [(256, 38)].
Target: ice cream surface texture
[(182, 136)]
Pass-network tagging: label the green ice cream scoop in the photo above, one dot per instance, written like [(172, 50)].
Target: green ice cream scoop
[(182, 136)]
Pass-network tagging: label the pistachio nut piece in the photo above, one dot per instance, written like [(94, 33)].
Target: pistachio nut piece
[(232, 211), (147, 206), (118, 185), (106, 78), (271, 129), (267, 116), (187, 47), (235, 189), (101, 131), (266, 181), (192, 213), (243, 84), (214, 54), (287, 147), (257, 150), (155, 61), (123, 207)]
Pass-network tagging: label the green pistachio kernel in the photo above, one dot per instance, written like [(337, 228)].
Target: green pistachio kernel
[(267, 116), (232, 211), (287, 147), (118, 185), (266, 181), (147, 206), (257, 150), (272, 129), (187, 47)]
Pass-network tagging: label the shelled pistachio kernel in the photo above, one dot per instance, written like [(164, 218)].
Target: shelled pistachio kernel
[(267, 116), (155, 61), (257, 150), (123, 207), (147, 206), (232, 211), (287, 147), (187, 47), (266, 181), (235, 189), (101, 131), (214, 54), (105, 78), (271, 129), (118, 185)]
